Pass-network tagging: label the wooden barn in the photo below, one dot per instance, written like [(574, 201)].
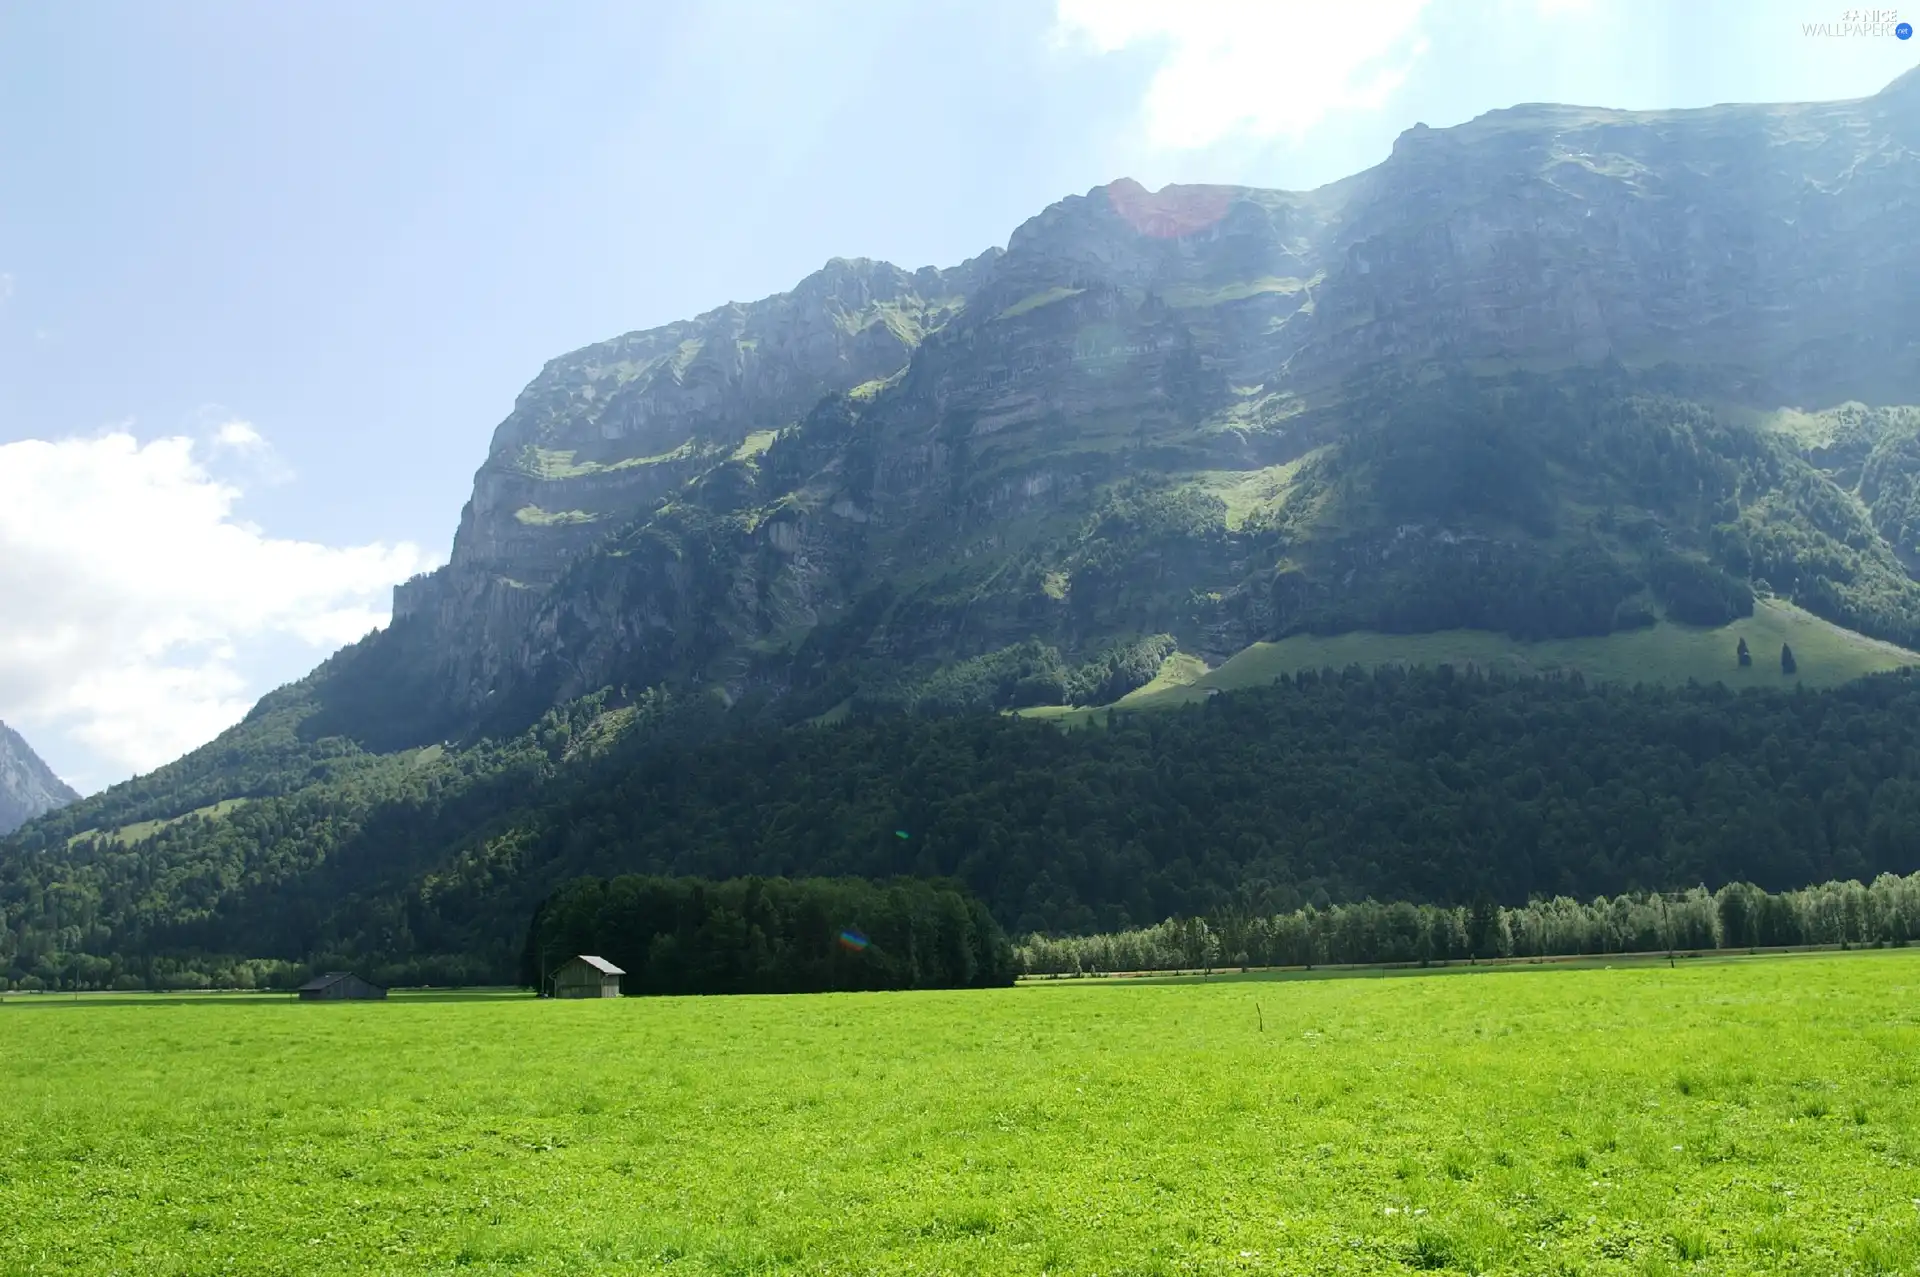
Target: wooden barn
[(338, 986), (587, 977)]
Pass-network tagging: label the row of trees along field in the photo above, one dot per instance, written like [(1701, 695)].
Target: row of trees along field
[(1738, 916), (761, 935)]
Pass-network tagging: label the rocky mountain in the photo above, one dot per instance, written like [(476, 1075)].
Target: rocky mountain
[(615, 429), (1560, 380), (28, 787), (920, 468)]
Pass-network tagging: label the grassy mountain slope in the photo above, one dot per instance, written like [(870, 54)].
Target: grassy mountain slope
[(1667, 652)]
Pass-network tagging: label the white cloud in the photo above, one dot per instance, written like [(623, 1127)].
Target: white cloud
[(239, 434), (129, 593), (1258, 67), (247, 453)]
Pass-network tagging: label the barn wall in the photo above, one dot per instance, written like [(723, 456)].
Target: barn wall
[(578, 980)]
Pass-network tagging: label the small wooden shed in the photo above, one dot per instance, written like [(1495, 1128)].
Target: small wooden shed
[(337, 986), (587, 977)]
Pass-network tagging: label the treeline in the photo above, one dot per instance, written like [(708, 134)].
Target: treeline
[(1435, 583), (1695, 591), (1738, 916), (133, 973), (761, 935)]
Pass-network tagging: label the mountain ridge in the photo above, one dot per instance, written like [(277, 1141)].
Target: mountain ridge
[(686, 501), (1108, 284), (28, 787)]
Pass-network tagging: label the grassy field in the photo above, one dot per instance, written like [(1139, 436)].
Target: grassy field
[(127, 835), (1726, 1117), (1825, 655)]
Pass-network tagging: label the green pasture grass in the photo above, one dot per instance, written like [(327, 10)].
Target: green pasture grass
[(1749, 1117), (1666, 653), (1250, 492), (562, 463), (127, 835), (1177, 671), (754, 444), (534, 516)]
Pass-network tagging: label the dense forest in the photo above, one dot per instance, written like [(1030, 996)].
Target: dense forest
[(1441, 787), (1424, 786), (755, 935), (1738, 916)]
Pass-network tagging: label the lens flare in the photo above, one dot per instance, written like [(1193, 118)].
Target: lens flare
[(852, 941)]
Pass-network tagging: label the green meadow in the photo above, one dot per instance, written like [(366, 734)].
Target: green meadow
[(1666, 653), (1752, 1115)]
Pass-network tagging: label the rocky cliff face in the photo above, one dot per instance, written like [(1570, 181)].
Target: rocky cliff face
[(28, 787), (605, 434), (1767, 239), (887, 466)]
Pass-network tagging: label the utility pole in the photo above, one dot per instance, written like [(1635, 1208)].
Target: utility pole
[(546, 951), (1666, 926)]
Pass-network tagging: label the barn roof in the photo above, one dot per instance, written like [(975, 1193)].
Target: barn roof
[(332, 977), (599, 964)]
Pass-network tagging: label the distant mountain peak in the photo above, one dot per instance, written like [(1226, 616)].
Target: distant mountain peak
[(28, 787)]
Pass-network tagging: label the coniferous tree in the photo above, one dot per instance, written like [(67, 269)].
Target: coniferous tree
[(1787, 665), (1483, 920)]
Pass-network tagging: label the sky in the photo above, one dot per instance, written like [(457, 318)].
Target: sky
[(271, 274)]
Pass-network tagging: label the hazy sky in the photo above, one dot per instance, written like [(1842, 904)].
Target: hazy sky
[(271, 273)]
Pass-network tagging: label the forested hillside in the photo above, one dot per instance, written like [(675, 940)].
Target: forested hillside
[(1440, 786)]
